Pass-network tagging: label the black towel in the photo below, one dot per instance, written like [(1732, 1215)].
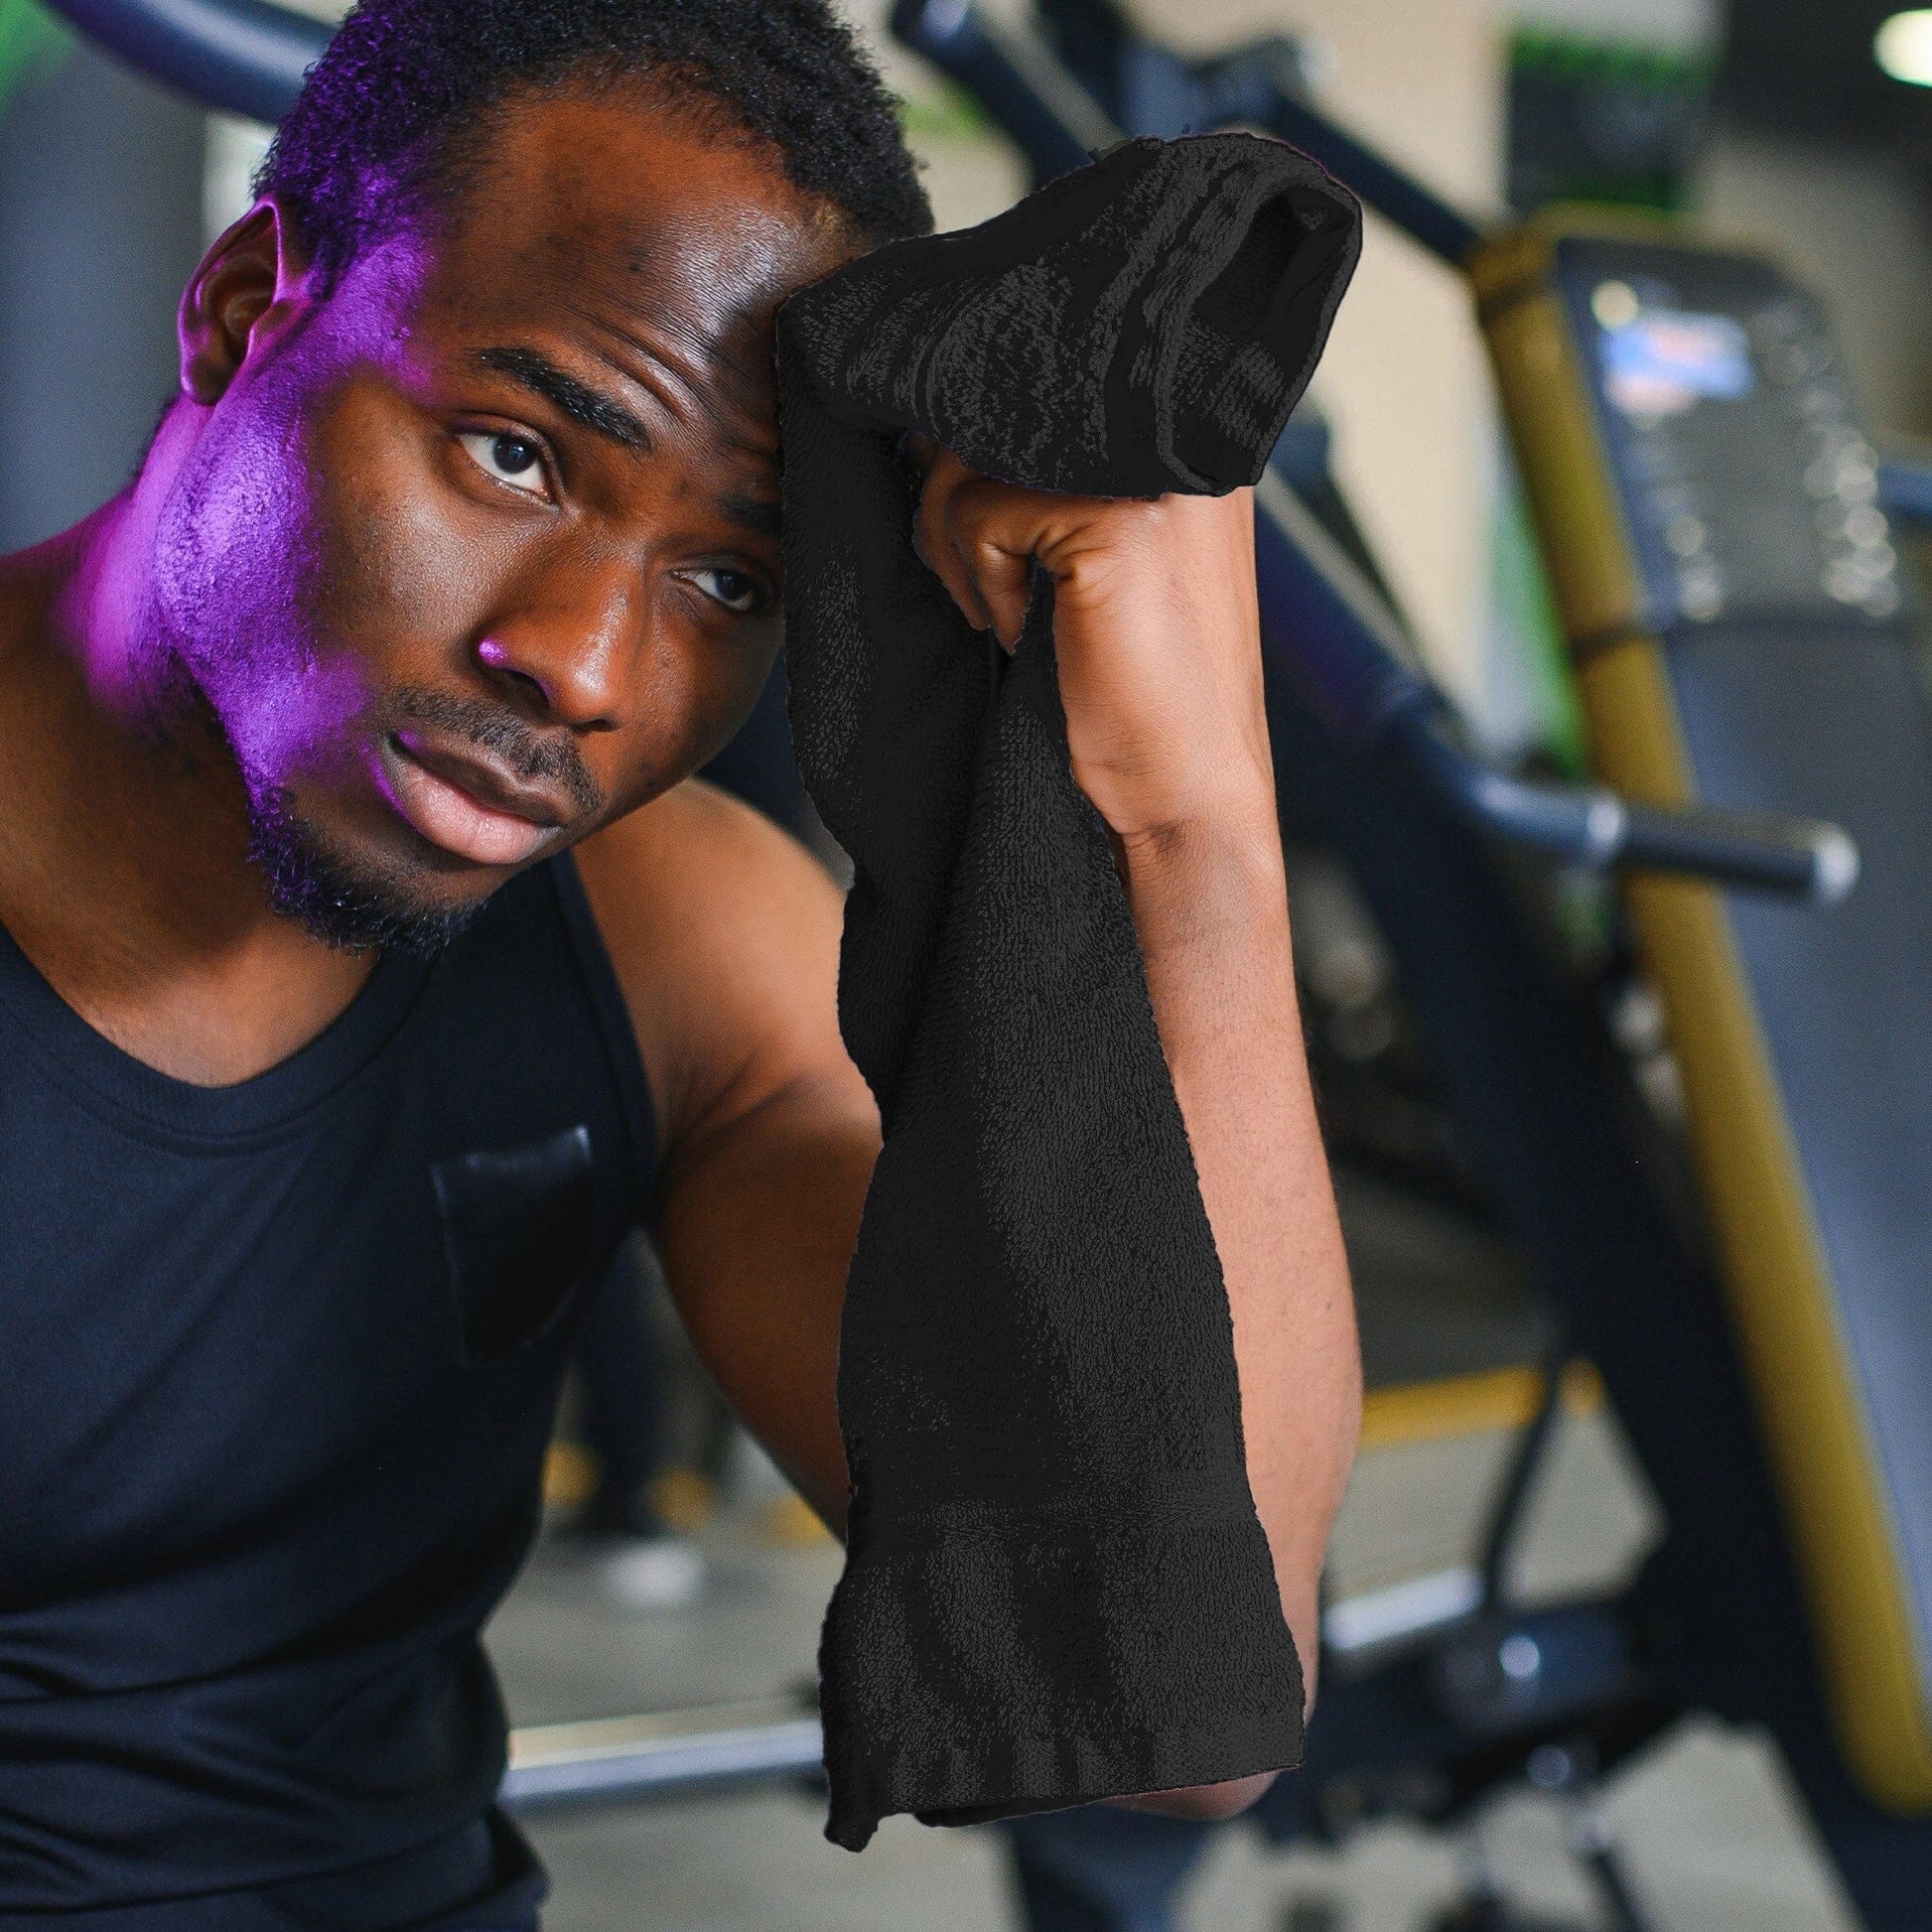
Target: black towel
[(1056, 1588)]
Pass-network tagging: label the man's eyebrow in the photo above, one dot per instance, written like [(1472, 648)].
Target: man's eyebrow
[(578, 402)]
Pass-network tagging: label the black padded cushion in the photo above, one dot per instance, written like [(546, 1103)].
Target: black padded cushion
[(1833, 722)]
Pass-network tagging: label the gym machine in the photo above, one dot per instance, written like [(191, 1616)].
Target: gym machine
[(1716, 531), (1789, 1588)]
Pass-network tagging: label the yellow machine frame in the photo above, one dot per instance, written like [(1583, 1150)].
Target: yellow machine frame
[(1776, 1268)]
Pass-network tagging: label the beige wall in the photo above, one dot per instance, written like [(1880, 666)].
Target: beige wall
[(1405, 377)]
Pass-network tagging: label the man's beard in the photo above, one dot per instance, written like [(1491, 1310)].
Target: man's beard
[(353, 910)]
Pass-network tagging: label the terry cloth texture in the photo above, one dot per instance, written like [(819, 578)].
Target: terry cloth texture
[(1056, 1588)]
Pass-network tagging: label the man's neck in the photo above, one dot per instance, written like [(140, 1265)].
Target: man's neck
[(124, 876)]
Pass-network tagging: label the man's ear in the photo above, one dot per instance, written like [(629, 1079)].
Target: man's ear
[(236, 284)]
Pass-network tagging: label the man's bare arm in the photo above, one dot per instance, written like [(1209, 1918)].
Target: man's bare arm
[(724, 934), (1210, 906), (1211, 913)]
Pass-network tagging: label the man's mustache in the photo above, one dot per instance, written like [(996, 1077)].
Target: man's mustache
[(543, 757)]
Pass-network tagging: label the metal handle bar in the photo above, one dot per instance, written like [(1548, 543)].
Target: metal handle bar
[(1325, 625), (1905, 490), (1800, 858), (661, 1753), (244, 57)]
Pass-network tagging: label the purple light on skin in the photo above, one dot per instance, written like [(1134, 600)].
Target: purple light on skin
[(237, 565), (239, 582), (98, 619)]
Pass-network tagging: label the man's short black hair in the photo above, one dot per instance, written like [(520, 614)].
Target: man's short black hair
[(382, 121)]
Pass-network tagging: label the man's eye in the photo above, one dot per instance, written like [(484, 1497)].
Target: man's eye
[(734, 588), (509, 458)]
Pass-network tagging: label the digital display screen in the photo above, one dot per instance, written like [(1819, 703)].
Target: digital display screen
[(1663, 361), (1731, 436)]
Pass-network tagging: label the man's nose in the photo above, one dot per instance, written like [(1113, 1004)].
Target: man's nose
[(565, 651)]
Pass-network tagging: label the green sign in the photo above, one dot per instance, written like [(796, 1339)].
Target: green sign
[(31, 41)]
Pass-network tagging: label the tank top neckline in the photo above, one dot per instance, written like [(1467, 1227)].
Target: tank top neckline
[(142, 1098)]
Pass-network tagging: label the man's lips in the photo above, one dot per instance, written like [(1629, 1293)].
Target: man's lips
[(467, 805)]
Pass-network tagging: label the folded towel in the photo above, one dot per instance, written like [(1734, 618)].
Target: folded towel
[(1055, 1587)]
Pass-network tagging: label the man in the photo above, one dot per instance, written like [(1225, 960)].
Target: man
[(326, 1074)]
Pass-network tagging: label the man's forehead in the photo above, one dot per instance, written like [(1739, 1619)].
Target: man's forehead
[(618, 239), (612, 196)]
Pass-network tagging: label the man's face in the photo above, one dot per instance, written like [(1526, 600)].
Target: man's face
[(483, 551)]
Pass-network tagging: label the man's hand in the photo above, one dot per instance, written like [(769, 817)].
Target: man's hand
[(1157, 635), (1155, 630)]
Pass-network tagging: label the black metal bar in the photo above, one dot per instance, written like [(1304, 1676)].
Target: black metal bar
[(1056, 122), (1905, 490), (244, 57), (1513, 1493), (1803, 858), (1589, 826)]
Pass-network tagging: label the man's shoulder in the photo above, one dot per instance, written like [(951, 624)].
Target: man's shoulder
[(697, 856), (723, 933)]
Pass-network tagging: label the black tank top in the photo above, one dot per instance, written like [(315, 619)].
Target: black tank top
[(278, 1363)]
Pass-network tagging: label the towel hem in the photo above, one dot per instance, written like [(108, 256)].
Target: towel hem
[(938, 1783)]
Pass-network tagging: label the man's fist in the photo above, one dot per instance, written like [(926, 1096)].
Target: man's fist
[(1154, 625)]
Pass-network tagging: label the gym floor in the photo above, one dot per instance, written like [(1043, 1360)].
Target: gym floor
[(1714, 1840)]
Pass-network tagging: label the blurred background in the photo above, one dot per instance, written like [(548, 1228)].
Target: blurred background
[(679, 1570)]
